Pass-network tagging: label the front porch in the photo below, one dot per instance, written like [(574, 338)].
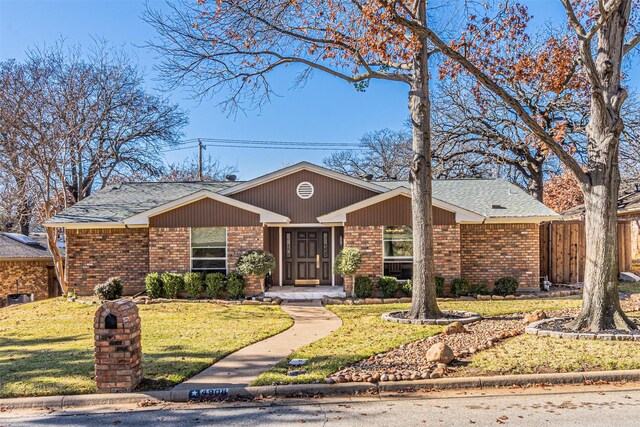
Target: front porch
[(305, 293)]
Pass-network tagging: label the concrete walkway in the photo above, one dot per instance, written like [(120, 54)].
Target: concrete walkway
[(239, 369)]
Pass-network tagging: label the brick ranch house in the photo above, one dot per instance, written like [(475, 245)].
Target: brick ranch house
[(304, 215), (26, 269)]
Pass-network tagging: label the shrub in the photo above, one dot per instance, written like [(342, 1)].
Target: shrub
[(348, 262), (193, 284), (256, 263), (479, 289), (459, 287), (505, 286), (172, 283), (388, 286), (109, 290), (153, 285), (439, 286), (235, 286), (407, 287), (363, 287), (214, 284)]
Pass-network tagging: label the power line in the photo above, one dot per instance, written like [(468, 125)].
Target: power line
[(268, 142), (267, 145)]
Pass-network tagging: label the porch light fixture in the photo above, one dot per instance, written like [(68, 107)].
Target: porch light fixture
[(304, 190)]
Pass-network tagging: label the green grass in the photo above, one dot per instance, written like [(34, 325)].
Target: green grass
[(364, 334), (46, 347), (527, 354), (629, 287)]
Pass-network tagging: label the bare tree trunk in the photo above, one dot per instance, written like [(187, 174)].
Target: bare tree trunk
[(58, 260), (423, 303), (601, 302), (536, 183)]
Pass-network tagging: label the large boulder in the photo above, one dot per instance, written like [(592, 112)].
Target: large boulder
[(534, 316), (440, 353)]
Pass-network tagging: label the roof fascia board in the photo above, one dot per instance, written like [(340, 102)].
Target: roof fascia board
[(296, 168), (521, 220), (105, 224), (265, 215)]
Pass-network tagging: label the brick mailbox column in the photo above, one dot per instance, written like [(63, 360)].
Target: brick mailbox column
[(118, 347)]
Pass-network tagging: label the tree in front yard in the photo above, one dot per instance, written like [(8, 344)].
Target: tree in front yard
[(347, 264), (229, 48), (604, 33), (256, 263)]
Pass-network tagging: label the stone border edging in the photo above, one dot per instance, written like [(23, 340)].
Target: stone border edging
[(298, 390), (535, 328), (466, 318)]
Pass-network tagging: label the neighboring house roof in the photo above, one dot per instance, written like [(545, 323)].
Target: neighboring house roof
[(133, 203), (490, 198), (628, 203), (19, 246)]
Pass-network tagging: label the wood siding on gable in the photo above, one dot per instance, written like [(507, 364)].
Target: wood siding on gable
[(205, 213), (395, 211), (280, 196)]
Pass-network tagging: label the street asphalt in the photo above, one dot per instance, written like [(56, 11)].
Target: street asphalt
[(579, 405)]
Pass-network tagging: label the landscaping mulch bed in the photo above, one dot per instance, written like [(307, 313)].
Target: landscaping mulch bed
[(408, 362)]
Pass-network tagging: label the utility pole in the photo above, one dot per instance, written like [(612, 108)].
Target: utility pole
[(200, 148)]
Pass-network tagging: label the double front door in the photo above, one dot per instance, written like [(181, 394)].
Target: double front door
[(307, 256)]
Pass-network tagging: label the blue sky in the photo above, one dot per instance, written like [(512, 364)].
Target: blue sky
[(325, 110)]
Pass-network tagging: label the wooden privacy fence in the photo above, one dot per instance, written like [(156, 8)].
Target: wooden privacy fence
[(563, 247)]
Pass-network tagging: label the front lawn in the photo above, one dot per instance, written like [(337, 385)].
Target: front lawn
[(46, 347), (528, 354), (364, 334)]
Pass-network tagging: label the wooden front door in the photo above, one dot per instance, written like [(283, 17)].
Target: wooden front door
[(307, 256)]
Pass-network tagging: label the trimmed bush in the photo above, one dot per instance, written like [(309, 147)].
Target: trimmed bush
[(109, 290), (363, 287), (505, 286), (388, 286), (214, 284), (439, 286), (479, 289), (235, 286), (153, 285), (193, 284), (256, 263), (460, 287), (172, 283), (407, 287)]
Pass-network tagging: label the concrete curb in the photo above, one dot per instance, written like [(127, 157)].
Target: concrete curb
[(298, 390)]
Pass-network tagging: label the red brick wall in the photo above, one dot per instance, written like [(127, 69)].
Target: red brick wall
[(240, 240), (95, 255), (446, 248), (369, 240), (492, 251), (169, 249), (24, 277)]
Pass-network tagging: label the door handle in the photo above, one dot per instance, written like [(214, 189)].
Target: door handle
[(317, 261)]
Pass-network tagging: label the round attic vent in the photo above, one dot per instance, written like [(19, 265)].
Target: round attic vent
[(305, 190)]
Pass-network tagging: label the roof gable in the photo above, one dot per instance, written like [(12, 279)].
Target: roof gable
[(299, 167)]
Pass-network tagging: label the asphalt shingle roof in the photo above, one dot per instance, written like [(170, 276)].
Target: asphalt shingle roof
[(11, 248), (628, 202), (118, 202), (481, 196)]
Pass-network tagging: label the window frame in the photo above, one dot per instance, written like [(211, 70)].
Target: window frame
[(209, 270), (395, 259)]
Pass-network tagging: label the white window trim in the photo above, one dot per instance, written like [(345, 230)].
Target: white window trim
[(226, 253), (395, 258)]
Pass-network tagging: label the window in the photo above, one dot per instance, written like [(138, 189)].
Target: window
[(209, 249), (397, 251)]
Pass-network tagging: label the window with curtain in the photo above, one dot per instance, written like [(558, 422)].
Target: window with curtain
[(209, 249), (397, 251)]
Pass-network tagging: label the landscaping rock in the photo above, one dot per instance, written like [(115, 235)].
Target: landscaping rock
[(404, 300), (440, 353), (250, 302), (484, 297), (534, 317), (373, 301), (497, 297), (454, 328)]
